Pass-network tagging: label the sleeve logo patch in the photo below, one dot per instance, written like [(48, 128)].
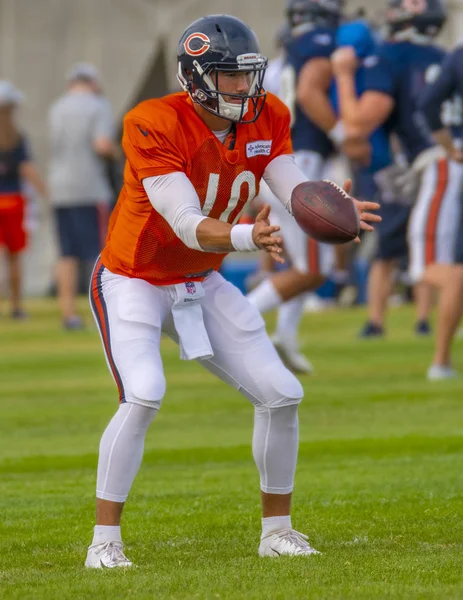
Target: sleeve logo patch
[(370, 62), (324, 39), (262, 147)]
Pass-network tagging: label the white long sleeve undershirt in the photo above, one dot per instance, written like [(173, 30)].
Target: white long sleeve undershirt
[(174, 197)]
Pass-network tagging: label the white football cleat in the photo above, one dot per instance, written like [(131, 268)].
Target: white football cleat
[(439, 372), (285, 542), (290, 355), (108, 555)]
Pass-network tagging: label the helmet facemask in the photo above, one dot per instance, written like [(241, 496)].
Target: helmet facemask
[(305, 15), (203, 86), (415, 20)]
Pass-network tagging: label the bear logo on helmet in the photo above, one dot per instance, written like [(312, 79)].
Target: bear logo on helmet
[(197, 44)]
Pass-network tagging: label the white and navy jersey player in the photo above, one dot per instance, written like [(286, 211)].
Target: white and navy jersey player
[(414, 60), (442, 107)]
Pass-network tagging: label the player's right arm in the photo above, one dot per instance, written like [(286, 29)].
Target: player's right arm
[(362, 114), (174, 198)]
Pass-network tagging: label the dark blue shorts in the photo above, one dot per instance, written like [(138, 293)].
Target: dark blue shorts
[(392, 231), (365, 187), (82, 230)]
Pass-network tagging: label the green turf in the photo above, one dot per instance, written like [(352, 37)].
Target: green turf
[(379, 483)]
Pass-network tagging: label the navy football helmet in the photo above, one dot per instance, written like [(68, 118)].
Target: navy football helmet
[(420, 17), (319, 13), (222, 44)]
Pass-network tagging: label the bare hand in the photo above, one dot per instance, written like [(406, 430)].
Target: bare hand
[(263, 238), (363, 209), (344, 60)]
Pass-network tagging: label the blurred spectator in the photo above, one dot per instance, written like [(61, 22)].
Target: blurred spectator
[(82, 141), (16, 168)]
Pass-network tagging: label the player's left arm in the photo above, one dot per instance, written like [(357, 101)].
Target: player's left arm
[(362, 114), (434, 96), (282, 175), (312, 93)]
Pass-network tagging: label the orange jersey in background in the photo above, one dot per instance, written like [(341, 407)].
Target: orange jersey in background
[(164, 136)]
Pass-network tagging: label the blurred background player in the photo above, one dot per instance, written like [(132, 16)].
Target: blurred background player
[(415, 62), (16, 169), (411, 57), (357, 45), (365, 110), (444, 252), (305, 78), (82, 138)]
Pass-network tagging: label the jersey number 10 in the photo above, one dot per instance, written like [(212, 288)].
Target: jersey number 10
[(245, 177)]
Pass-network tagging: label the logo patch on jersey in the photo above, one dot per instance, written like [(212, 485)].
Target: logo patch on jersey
[(262, 147), (197, 44)]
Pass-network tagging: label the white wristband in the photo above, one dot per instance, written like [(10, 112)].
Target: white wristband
[(338, 134), (241, 238)]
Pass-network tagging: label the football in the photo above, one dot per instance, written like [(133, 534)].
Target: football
[(325, 212)]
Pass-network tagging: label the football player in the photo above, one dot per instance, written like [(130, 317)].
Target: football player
[(441, 104), (413, 59), (304, 81), (417, 60), (365, 110), (194, 159)]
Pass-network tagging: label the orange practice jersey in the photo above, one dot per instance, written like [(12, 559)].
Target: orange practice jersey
[(164, 136)]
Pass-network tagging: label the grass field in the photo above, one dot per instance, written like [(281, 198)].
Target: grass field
[(379, 483)]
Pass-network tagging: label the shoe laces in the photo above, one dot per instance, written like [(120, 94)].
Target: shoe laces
[(115, 552), (292, 538)]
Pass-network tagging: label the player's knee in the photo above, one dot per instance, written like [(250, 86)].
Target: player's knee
[(280, 387), (308, 280), (147, 385)]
